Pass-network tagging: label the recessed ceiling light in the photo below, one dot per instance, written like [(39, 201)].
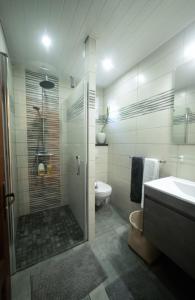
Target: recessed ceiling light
[(107, 64), (46, 41), (189, 51), (141, 78)]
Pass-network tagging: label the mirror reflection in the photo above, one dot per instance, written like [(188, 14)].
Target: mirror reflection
[(183, 131)]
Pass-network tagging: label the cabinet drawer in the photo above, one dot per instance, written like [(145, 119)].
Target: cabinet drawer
[(171, 232)]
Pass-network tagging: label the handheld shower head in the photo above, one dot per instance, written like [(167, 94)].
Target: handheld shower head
[(36, 108)]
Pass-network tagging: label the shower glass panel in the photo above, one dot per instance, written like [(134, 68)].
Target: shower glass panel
[(77, 153), (52, 179), (9, 151)]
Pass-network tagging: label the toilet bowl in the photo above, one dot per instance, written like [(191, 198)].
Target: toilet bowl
[(102, 192)]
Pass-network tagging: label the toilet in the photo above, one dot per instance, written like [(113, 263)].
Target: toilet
[(102, 192)]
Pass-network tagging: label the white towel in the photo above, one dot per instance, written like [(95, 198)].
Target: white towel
[(151, 172)]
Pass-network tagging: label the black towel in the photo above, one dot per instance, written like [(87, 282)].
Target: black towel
[(136, 179)]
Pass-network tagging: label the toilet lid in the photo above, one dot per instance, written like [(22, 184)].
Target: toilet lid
[(102, 187)]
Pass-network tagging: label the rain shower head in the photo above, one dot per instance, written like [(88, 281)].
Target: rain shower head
[(46, 84)]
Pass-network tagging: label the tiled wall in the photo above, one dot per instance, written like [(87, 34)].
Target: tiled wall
[(101, 163), (99, 107), (101, 152), (90, 79), (131, 132), (43, 135), (21, 139)]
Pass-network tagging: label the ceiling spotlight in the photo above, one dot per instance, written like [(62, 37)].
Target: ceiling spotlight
[(141, 78), (46, 41), (107, 64), (189, 51)]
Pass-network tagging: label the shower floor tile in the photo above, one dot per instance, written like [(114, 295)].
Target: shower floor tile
[(44, 234)]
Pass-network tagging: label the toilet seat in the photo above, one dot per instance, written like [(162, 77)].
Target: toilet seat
[(102, 189)]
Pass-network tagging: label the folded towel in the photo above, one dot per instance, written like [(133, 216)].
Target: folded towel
[(136, 179), (151, 172)]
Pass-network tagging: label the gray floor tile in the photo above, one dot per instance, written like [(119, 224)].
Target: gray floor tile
[(44, 234), (20, 284), (99, 293), (112, 251), (86, 298)]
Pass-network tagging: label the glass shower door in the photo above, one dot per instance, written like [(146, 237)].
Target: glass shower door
[(9, 196), (77, 154), (56, 220)]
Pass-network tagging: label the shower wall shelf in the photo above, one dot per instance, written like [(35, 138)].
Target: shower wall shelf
[(44, 158)]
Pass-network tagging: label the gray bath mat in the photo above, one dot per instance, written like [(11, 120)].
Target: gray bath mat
[(138, 284), (71, 278)]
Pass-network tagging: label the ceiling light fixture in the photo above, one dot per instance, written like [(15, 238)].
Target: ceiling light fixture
[(189, 51), (107, 64), (46, 41), (141, 78)]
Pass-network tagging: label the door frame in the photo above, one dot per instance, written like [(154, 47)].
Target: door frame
[(5, 275)]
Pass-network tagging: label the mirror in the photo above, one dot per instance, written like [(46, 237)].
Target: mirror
[(183, 129)]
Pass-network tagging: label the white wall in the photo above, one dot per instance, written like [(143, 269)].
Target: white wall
[(99, 107), (90, 78), (101, 152), (101, 163), (146, 135)]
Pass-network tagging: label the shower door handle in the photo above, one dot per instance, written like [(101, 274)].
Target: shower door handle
[(78, 164), (8, 198), (11, 198)]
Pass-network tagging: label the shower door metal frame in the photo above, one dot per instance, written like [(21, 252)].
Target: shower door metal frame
[(8, 186), (86, 134)]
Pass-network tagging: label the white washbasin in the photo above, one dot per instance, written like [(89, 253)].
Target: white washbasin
[(180, 188)]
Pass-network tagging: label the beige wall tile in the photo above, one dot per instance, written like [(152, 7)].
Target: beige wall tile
[(148, 135)]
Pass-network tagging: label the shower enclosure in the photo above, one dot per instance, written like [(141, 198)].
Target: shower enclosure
[(51, 200)]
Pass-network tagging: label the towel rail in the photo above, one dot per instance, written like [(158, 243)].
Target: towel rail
[(160, 161)]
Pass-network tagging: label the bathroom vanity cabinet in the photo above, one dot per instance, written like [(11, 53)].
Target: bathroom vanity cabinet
[(169, 223)]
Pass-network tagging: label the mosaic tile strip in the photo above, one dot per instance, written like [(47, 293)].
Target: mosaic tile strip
[(181, 119), (44, 190), (77, 108), (91, 99), (150, 105), (101, 119), (44, 234)]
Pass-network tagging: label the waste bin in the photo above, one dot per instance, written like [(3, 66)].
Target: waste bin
[(137, 240)]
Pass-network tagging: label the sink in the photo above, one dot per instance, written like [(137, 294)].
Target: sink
[(188, 189), (177, 187)]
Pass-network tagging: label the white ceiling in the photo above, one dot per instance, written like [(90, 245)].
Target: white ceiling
[(126, 31)]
